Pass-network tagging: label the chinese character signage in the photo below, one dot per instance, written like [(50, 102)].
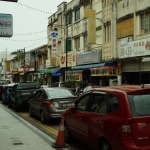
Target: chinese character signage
[(54, 38), (92, 30), (135, 48)]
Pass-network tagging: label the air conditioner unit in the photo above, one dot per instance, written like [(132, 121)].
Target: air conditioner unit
[(142, 31)]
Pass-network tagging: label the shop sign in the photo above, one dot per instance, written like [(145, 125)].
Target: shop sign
[(89, 13), (56, 74), (54, 38), (94, 56), (6, 25), (53, 61), (20, 69), (135, 48), (91, 30), (105, 71), (71, 59), (31, 69)]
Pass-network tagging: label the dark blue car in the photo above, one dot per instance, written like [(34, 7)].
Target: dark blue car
[(6, 91)]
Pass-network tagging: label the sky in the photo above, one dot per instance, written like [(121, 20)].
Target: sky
[(30, 20)]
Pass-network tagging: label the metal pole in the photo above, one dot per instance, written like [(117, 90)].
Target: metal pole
[(24, 65), (66, 50)]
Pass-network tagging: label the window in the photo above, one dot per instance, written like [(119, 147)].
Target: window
[(37, 94), (68, 45), (114, 102), (140, 105), (83, 103), (145, 22), (77, 43), (99, 104), (77, 15), (69, 18)]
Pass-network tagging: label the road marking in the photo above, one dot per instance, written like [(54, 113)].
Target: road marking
[(46, 127)]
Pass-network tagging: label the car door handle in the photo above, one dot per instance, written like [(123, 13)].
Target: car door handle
[(80, 118), (98, 122)]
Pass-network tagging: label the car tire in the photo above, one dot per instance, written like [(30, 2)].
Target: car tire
[(105, 145), (68, 138), (30, 111), (42, 117)]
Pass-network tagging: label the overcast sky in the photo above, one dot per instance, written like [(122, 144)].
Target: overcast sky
[(30, 20)]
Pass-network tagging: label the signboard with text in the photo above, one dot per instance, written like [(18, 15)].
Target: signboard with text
[(6, 25), (54, 37), (134, 48)]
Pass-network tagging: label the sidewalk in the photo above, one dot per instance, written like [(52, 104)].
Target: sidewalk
[(18, 134)]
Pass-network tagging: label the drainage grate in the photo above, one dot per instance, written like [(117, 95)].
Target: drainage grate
[(17, 143)]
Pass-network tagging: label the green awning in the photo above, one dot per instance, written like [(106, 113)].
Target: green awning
[(57, 70), (50, 70)]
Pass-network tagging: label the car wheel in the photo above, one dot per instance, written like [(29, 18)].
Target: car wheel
[(68, 138), (30, 111), (105, 146), (42, 117)]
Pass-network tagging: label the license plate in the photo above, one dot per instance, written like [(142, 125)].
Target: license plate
[(66, 105)]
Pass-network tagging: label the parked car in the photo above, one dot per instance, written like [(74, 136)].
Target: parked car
[(21, 93), (6, 91), (87, 88), (49, 103), (111, 118), (59, 84)]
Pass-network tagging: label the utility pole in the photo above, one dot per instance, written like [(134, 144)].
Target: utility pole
[(25, 77)]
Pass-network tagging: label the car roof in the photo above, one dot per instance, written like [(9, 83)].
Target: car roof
[(124, 88)]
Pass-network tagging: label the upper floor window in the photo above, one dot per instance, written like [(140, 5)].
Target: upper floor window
[(77, 15), (77, 43), (145, 22), (69, 18)]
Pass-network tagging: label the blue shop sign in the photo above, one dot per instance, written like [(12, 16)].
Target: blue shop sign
[(56, 74)]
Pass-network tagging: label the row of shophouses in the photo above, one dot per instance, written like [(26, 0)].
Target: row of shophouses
[(119, 49)]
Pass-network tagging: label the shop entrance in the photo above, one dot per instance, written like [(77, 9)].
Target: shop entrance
[(86, 77)]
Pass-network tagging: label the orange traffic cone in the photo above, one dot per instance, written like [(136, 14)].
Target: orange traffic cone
[(60, 141)]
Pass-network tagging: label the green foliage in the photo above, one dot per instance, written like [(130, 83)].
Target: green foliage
[(20, 55), (29, 78), (39, 80)]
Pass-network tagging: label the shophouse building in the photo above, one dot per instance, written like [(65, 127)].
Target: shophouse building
[(133, 36), (78, 57)]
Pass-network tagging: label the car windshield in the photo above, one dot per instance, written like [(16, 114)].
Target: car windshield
[(59, 93), (140, 104)]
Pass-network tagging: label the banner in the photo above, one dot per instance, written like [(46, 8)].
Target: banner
[(54, 38)]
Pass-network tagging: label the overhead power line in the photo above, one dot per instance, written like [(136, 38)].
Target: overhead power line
[(35, 8)]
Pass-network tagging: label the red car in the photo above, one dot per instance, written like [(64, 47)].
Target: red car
[(111, 118)]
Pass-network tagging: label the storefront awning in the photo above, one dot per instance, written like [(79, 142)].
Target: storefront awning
[(57, 70), (50, 70), (94, 65), (74, 71)]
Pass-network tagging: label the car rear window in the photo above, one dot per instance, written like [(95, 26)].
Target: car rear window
[(23, 86), (140, 105), (59, 93)]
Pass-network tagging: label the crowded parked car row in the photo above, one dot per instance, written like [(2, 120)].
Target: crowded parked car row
[(104, 118)]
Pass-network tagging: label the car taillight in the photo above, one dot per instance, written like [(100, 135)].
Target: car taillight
[(126, 130), (48, 104)]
